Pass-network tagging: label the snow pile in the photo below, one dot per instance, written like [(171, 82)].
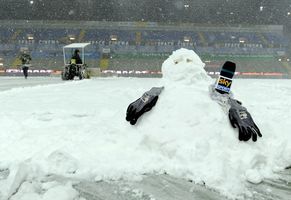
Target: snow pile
[(25, 183), (78, 129)]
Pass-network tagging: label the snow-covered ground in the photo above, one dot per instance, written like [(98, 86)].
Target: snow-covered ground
[(77, 129), (9, 82)]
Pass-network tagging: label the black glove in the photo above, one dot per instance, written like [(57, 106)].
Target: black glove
[(143, 104), (240, 118)]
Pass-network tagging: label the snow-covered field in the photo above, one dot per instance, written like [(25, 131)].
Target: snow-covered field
[(78, 129)]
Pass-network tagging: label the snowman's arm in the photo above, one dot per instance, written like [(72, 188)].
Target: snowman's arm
[(143, 104), (238, 115)]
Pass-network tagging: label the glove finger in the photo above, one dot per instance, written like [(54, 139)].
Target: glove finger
[(133, 121), (129, 113), (253, 133), (246, 134), (132, 114), (134, 117), (258, 130), (229, 116), (254, 137), (240, 134), (254, 130), (231, 120), (259, 133), (233, 124), (129, 108)]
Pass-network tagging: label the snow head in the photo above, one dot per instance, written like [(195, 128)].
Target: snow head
[(184, 66)]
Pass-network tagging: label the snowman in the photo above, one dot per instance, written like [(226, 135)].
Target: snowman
[(188, 98)]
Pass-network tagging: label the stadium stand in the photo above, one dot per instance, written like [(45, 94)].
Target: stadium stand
[(141, 48)]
